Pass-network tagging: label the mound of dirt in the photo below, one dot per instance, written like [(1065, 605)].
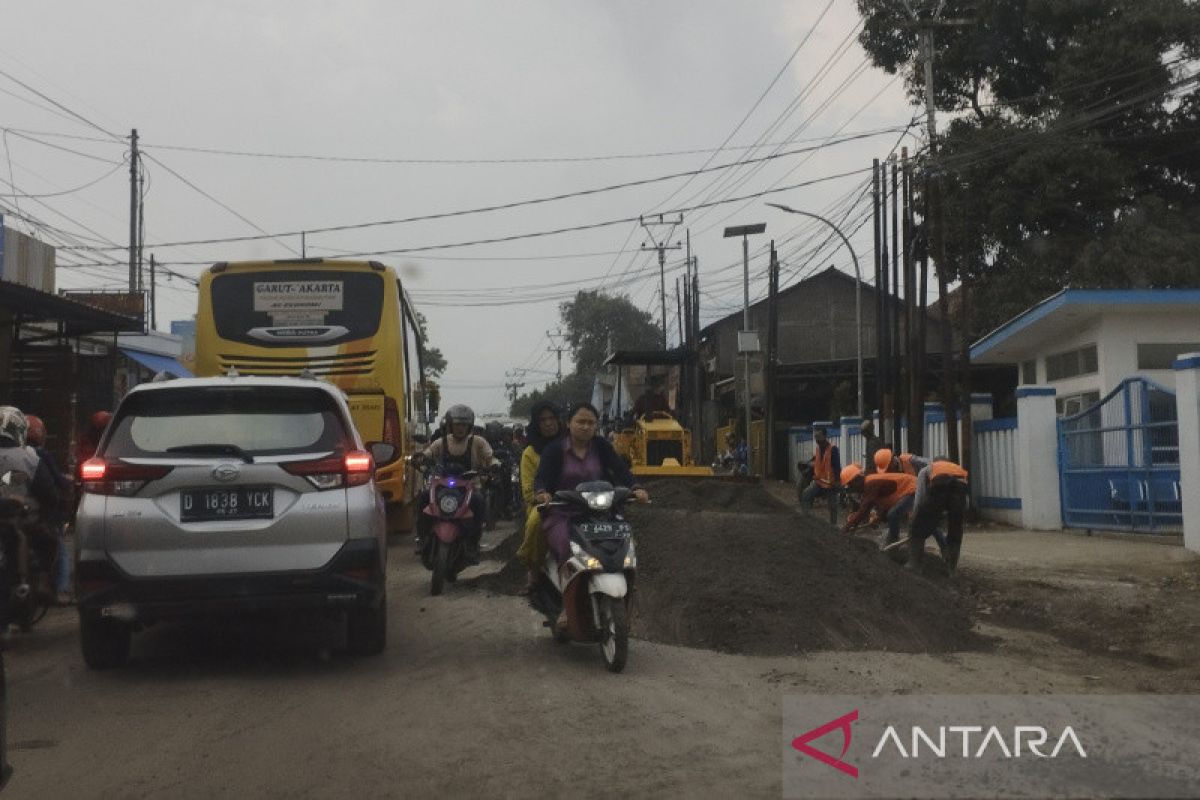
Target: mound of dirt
[(728, 567), (773, 584), (708, 494)]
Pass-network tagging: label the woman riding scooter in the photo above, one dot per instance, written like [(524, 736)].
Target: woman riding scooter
[(581, 456), (544, 430)]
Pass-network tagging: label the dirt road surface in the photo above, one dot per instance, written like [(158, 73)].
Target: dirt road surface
[(472, 698)]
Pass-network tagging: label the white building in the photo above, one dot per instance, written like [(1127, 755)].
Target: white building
[(1084, 342)]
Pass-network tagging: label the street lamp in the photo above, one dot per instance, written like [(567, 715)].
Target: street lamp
[(747, 341), (857, 290)]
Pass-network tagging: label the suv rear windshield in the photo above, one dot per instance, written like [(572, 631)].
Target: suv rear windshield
[(259, 420), (297, 307)]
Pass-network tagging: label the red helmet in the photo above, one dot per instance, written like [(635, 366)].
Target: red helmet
[(36, 435), (99, 420)]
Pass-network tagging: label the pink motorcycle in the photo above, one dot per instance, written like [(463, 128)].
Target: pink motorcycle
[(442, 526)]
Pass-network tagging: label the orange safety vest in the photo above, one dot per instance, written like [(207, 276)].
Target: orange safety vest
[(903, 485), (946, 469), (823, 467), (906, 465)]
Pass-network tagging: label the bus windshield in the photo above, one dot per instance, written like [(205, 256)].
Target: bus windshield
[(297, 307)]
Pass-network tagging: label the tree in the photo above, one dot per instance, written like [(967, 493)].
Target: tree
[(596, 321), (432, 360), (1072, 161)]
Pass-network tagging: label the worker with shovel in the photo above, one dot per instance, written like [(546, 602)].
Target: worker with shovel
[(941, 489), (890, 494)]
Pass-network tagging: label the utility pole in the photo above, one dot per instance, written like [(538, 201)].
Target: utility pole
[(133, 211), (153, 296), (879, 299), (558, 345), (747, 337), (772, 360), (935, 239), (662, 247), (512, 389), (679, 311)]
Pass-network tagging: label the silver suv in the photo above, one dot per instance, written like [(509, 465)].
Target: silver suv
[(214, 496)]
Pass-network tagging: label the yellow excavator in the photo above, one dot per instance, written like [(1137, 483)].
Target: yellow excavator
[(650, 437)]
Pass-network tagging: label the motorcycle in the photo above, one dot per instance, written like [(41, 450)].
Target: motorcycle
[(497, 488), (26, 556), (594, 584), (442, 525)]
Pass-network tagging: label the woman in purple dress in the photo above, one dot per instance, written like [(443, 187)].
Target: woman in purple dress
[(580, 456)]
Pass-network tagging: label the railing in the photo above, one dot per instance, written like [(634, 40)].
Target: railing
[(994, 476)]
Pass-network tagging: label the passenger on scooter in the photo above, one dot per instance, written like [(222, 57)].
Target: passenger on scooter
[(459, 449), (544, 429), (17, 456), (53, 515), (581, 456)]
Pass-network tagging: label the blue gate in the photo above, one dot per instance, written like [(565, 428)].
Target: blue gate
[(1119, 461)]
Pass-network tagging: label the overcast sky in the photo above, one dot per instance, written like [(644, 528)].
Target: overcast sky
[(530, 99)]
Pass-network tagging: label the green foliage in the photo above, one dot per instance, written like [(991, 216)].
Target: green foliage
[(591, 322), (593, 319), (1075, 162), (571, 389), (432, 360)]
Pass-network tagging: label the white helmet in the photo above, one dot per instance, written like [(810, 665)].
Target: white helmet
[(13, 425)]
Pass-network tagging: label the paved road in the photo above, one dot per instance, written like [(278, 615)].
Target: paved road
[(471, 697)]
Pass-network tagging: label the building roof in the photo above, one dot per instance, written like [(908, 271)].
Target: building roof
[(649, 358), (33, 305), (830, 272), (1064, 312)]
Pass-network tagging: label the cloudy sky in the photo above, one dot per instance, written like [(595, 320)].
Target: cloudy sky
[(321, 114)]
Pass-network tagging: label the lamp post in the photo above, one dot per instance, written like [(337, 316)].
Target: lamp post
[(857, 290), (747, 341)]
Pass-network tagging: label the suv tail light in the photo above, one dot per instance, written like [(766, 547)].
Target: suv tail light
[(117, 477), (353, 469), (391, 422)]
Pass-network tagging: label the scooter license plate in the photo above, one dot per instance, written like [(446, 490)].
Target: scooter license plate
[(604, 530)]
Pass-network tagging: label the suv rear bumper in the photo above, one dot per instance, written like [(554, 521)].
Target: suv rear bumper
[(354, 578)]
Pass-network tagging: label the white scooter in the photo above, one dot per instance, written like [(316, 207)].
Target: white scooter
[(594, 584)]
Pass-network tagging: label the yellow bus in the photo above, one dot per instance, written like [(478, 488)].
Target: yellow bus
[(348, 322)]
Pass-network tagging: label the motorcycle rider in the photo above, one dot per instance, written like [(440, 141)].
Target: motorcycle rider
[(459, 448), (52, 516), (544, 429), (17, 457)]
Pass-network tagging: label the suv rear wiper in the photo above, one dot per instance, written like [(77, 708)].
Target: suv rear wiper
[(215, 449)]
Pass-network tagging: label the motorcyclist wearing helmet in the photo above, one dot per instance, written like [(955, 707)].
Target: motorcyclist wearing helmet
[(17, 456), (459, 449)]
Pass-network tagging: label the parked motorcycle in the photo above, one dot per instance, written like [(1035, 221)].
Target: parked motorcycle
[(442, 525), (594, 584), (26, 556)]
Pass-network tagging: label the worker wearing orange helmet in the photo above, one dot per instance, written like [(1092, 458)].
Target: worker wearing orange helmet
[(888, 493), (942, 488), (908, 463)]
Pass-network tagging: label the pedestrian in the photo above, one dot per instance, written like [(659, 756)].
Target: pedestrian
[(941, 488), (826, 469), (871, 442), (53, 517), (890, 494)]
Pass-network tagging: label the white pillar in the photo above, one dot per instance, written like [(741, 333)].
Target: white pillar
[(1187, 401), (1037, 459)]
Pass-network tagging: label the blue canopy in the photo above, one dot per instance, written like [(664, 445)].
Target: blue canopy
[(158, 363)]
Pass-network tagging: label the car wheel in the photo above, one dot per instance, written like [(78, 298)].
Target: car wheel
[(366, 633), (105, 643)]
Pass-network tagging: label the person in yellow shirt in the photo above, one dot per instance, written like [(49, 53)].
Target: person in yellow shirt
[(544, 428)]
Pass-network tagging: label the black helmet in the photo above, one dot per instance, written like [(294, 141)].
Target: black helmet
[(460, 413)]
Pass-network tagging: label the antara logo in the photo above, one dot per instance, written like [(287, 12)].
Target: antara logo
[(976, 742), (843, 723)]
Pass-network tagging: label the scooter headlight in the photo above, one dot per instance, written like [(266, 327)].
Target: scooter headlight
[(598, 501), (448, 503)]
